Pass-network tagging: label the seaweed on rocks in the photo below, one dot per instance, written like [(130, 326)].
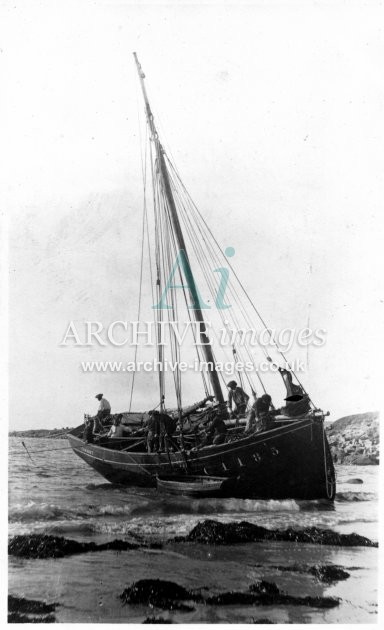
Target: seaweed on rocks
[(169, 596), (212, 532), (326, 573), (21, 610), (22, 605), (329, 573), (267, 594), (17, 618), (159, 593), (44, 546)]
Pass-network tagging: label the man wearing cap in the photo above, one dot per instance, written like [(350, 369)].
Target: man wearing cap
[(238, 396), (104, 407)]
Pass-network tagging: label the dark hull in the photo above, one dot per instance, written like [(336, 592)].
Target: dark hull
[(291, 461)]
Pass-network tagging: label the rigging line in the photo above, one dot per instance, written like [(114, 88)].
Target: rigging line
[(28, 453), (157, 216), (207, 275), (214, 258), (228, 262), (241, 285), (156, 209), (162, 274), (232, 289), (192, 241), (206, 390), (173, 244), (170, 248), (164, 246), (144, 174), (198, 353)]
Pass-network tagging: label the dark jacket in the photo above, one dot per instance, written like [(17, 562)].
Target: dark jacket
[(153, 424), (167, 424), (217, 427)]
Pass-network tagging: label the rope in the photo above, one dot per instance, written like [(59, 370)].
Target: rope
[(144, 173), (197, 212)]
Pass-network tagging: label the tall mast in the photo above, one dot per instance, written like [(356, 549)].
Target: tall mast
[(197, 313)]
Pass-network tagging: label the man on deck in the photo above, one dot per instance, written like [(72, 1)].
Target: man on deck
[(104, 407), (153, 431), (238, 396), (217, 431), (259, 417), (167, 427), (116, 430)]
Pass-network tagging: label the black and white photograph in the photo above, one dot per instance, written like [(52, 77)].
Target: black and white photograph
[(191, 242)]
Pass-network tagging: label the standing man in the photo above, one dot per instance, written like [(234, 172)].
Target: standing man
[(153, 431), (238, 396), (167, 427), (104, 407)]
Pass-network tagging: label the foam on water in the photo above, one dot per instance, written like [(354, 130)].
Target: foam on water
[(61, 492), (61, 495)]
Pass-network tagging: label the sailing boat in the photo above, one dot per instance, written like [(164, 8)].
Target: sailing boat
[(289, 456)]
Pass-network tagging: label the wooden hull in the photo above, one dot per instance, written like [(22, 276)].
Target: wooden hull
[(291, 461)]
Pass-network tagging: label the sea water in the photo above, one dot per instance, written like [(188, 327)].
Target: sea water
[(55, 492)]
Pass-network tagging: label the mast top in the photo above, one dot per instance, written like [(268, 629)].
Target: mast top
[(145, 95), (174, 218)]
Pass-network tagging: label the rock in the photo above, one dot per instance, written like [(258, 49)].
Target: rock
[(355, 439), (159, 593), (22, 605), (327, 573), (17, 618), (21, 610), (44, 546), (212, 532), (241, 598), (262, 620), (354, 480), (216, 533)]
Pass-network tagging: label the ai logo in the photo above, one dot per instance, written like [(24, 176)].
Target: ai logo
[(182, 264)]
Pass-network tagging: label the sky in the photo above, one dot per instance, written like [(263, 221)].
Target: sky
[(272, 112)]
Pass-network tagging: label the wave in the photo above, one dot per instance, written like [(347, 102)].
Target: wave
[(355, 496), (48, 511), (33, 511)]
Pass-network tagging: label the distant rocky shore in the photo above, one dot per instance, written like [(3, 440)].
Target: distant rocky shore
[(42, 433), (355, 439)]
